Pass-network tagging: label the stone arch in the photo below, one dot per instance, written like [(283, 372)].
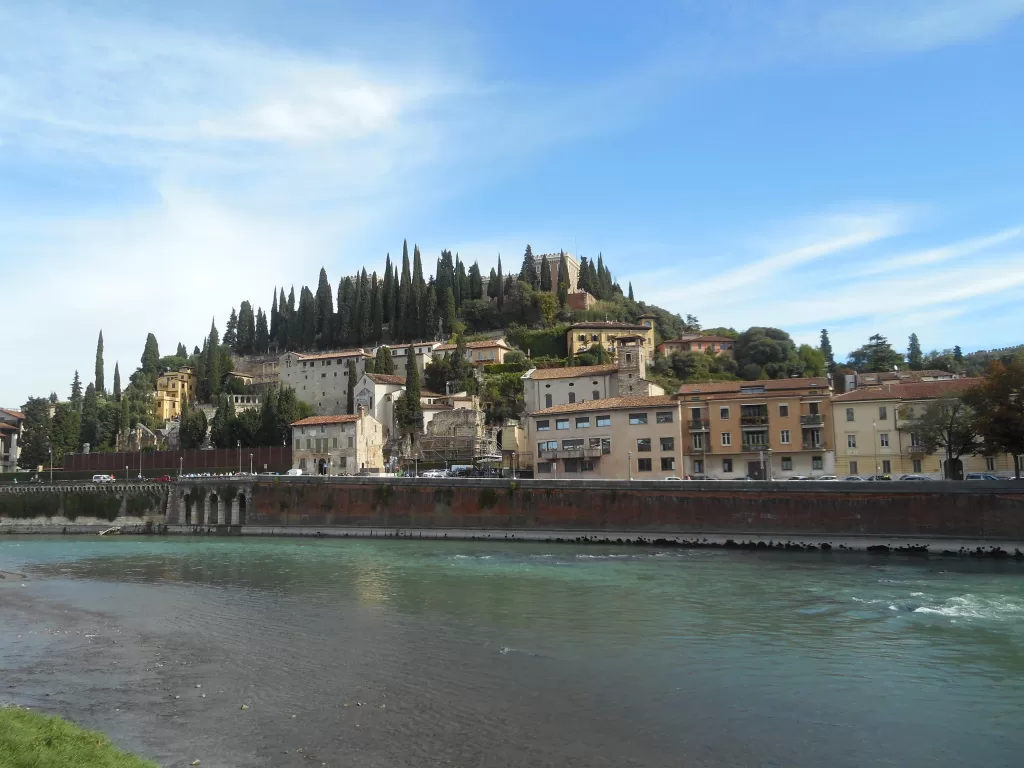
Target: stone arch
[(212, 508)]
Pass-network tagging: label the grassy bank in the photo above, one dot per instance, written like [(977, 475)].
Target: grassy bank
[(31, 740)]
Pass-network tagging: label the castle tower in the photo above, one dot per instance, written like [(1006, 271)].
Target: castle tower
[(631, 356)]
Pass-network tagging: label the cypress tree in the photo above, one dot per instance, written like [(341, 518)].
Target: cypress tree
[(631, 292), (261, 342), (376, 310), (246, 332), (408, 409), (563, 280), (476, 282), (545, 274), (324, 311), (492, 285), (404, 297), (351, 373), (283, 323), (583, 281), (213, 371), (273, 319), (365, 309), (826, 350), (306, 319), (430, 310), (117, 382), (449, 320), (181, 351), (99, 365), (500, 287), (151, 357), (915, 358), (384, 362), (386, 291), (231, 331), (343, 320), (462, 285), (417, 299)]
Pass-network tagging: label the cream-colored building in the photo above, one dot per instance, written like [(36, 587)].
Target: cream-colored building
[(485, 352), (422, 351), (695, 342), (322, 379), (243, 403), (11, 428), (172, 390), (874, 431), (770, 429), (582, 336), (338, 445), (636, 437)]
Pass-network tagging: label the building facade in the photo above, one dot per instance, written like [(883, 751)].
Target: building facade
[(486, 352), (321, 380), (422, 353), (338, 445), (11, 426), (583, 336), (716, 345), (173, 389), (770, 429), (554, 260)]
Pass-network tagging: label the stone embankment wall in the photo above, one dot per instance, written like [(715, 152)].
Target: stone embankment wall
[(991, 511), (44, 509)]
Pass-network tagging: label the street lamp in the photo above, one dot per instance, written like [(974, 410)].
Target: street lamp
[(126, 473), (874, 443), (239, 457), (50, 450), (629, 465), (250, 463), (181, 465)]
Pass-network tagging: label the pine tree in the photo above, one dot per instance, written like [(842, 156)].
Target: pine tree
[(958, 354), (324, 311), (528, 272), (492, 285), (261, 342), (384, 362), (826, 350), (231, 331), (376, 310), (117, 382), (915, 357), (545, 274), (99, 365), (500, 287), (563, 280)]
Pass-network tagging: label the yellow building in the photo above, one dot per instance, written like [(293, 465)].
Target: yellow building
[(582, 336), (173, 389), (874, 432)]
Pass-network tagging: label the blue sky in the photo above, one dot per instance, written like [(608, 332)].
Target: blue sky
[(850, 164)]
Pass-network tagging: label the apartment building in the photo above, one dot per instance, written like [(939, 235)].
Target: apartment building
[(173, 389), (875, 431), (337, 445), (583, 336), (11, 426), (854, 381), (485, 352), (695, 342), (322, 379), (637, 437), (769, 429)]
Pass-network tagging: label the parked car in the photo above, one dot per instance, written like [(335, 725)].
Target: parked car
[(293, 472), (699, 477), (878, 478), (799, 477), (914, 477), (671, 478), (853, 479), (162, 479), (824, 478), (103, 478), (434, 473), (981, 476)]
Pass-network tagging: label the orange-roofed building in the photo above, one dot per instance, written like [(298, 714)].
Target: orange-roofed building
[(338, 445)]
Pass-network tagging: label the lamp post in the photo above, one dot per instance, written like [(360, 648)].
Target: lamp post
[(126, 473), (629, 466), (250, 463), (50, 451), (874, 443), (239, 457)]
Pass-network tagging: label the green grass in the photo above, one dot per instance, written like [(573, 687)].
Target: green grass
[(31, 740)]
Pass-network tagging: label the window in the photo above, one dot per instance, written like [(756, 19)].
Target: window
[(886, 466), (668, 443), (637, 418), (334, 442), (572, 445), (547, 401), (604, 421), (723, 413), (813, 409), (643, 444), (543, 425), (668, 463), (990, 464), (727, 465), (578, 465), (883, 439), (643, 465), (726, 438), (604, 443), (351, 442), (784, 437), (629, 358), (783, 410), (561, 423), (582, 422), (915, 440), (698, 466), (851, 441), (664, 417), (547, 445), (572, 397), (595, 395), (883, 413), (698, 441), (853, 468), (593, 337), (309, 444), (816, 462), (787, 463), (543, 467), (917, 466), (583, 337), (849, 414)]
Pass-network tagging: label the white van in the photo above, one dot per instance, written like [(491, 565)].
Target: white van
[(294, 472), (103, 478)]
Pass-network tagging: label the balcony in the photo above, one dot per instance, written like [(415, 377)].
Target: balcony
[(918, 449), (571, 453), (815, 446), (754, 447), (699, 425), (812, 420), (753, 421)]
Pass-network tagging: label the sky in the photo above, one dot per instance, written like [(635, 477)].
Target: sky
[(853, 165)]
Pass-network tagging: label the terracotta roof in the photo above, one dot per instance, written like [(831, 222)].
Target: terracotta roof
[(696, 337), (5, 427), (571, 373), (475, 345), (609, 325), (314, 421), (771, 385), (339, 353), (916, 390), (610, 404), (386, 378), (14, 413), (437, 407)]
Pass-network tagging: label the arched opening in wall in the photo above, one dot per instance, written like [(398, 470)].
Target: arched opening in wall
[(212, 514), (188, 509), (228, 506), (322, 468), (241, 510)]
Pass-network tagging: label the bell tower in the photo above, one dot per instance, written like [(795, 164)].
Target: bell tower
[(631, 356)]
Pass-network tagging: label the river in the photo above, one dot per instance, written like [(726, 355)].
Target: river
[(419, 653)]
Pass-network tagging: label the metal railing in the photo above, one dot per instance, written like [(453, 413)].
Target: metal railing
[(754, 421), (812, 420)]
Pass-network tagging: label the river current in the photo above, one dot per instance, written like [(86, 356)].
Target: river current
[(274, 652)]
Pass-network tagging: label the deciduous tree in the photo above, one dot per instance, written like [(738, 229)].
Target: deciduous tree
[(948, 425), (998, 407)]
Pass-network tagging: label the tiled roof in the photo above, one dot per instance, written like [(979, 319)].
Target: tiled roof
[(609, 404), (486, 344), (574, 372), (5, 427), (328, 355), (14, 413), (437, 407), (386, 378), (771, 385), (696, 337), (609, 325), (314, 421), (917, 390)]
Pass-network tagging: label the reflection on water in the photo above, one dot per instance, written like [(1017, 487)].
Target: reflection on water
[(398, 653)]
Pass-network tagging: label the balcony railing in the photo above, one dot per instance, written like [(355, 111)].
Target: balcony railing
[(753, 421), (754, 447), (571, 453), (812, 420), (699, 425), (814, 446)]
